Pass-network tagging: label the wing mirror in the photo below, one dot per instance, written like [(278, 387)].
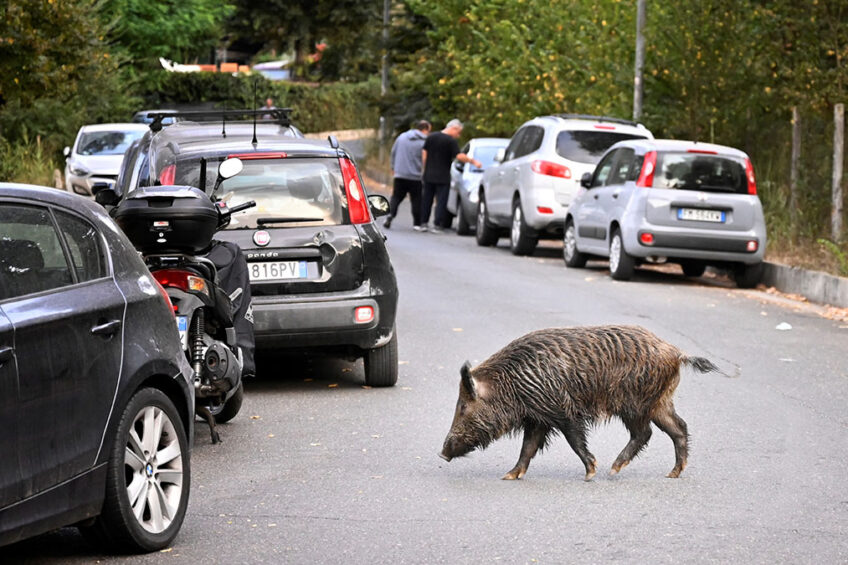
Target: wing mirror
[(586, 180), (499, 156), (227, 170), (459, 166), (66, 151), (104, 194), (379, 205)]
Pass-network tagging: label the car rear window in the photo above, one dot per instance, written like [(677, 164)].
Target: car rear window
[(289, 191), (698, 171), (588, 146)]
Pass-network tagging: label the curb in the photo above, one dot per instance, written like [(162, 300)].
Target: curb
[(814, 285)]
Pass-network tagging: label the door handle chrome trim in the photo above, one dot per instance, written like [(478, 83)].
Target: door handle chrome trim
[(108, 328)]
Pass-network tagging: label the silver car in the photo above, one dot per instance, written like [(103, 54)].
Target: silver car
[(684, 202), (465, 178), (96, 155), (526, 194)]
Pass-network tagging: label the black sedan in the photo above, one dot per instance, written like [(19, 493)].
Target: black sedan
[(96, 397)]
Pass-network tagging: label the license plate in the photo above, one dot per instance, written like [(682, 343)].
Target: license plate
[(700, 215), (277, 270), (182, 327)]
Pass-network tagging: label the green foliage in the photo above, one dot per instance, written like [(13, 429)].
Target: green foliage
[(840, 254), (27, 161)]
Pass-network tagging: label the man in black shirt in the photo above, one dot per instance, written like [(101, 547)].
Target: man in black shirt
[(439, 151)]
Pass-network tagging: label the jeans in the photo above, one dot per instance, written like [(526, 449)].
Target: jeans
[(402, 187), (440, 193)]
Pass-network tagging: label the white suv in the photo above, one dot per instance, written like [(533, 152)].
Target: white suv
[(528, 192)]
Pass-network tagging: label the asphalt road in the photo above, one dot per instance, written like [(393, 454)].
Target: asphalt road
[(319, 469)]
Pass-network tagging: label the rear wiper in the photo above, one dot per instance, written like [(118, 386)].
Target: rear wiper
[(285, 220)]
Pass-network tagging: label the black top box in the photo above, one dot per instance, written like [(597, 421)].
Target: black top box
[(168, 219)]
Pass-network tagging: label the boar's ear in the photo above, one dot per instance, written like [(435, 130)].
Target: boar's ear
[(467, 381)]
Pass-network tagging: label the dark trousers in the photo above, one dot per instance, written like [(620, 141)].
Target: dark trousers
[(440, 193), (402, 187)]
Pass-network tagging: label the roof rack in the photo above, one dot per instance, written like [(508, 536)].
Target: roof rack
[(280, 115), (596, 118)]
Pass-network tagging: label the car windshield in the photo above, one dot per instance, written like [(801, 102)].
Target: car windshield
[(698, 171), (486, 154), (287, 192), (588, 146), (107, 142)]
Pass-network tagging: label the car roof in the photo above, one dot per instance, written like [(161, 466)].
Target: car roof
[(490, 141), (680, 145), (582, 122), (114, 127), (47, 195)]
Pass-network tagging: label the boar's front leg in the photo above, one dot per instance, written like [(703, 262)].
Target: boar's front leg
[(575, 433), (534, 438)]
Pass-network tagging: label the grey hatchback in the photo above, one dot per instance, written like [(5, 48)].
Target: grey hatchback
[(684, 202)]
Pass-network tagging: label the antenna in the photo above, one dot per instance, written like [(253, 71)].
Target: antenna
[(224, 123), (254, 142)]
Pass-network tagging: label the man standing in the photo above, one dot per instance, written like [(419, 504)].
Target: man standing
[(439, 151), (406, 170)]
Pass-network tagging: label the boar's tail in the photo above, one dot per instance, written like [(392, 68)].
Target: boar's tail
[(701, 364)]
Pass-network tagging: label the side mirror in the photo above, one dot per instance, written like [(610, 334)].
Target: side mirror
[(104, 194), (230, 168), (586, 180), (499, 156), (66, 151), (459, 166), (379, 205)]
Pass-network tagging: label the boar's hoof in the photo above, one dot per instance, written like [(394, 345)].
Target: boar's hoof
[(617, 468), (513, 475), (675, 473), (590, 475)]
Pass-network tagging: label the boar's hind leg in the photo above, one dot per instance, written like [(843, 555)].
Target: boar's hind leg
[(575, 433), (640, 433), (668, 421), (534, 438)]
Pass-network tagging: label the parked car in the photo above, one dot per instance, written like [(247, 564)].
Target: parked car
[(685, 202), (96, 155), (321, 276), (526, 194), (465, 180), (96, 397)]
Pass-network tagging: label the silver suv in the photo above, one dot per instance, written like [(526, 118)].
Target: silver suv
[(684, 202), (527, 192)]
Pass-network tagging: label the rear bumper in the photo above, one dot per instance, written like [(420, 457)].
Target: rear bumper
[(705, 245)]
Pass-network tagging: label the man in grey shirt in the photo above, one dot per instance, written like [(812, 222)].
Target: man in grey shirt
[(406, 170)]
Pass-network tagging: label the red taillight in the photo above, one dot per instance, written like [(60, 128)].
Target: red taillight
[(363, 314), (182, 280), (749, 174), (647, 238), (357, 203), (702, 151), (605, 127), (544, 210), (168, 174), (551, 169), (752, 246), (253, 156), (646, 176), (171, 306)]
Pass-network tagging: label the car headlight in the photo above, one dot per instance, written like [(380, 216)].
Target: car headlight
[(78, 170)]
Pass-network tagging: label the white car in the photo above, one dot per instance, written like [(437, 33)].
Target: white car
[(527, 193), (97, 154)]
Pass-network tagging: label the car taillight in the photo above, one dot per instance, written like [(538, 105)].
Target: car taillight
[(357, 204), (182, 280), (544, 210), (363, 314), (646, 238), (168, 174), (171, 306), (646, 176), (749, 174), (551, 169), (260, 155)]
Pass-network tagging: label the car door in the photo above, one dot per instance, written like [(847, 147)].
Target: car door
[(590, 216), (67, 314), (499, 193), (614, 194), (10, 472)]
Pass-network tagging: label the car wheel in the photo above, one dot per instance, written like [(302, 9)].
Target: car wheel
[(147, 477), (693, 268), (381, 364), (228, 410), (521, 242), (573, 258), (748, 276), (621, 264), (462, 225), (487, 235)]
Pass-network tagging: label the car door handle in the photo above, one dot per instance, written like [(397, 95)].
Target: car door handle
[(107, 328), (596, 197), (5, 354), (615, 194)]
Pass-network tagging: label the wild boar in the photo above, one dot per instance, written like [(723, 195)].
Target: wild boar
[(565, 380)]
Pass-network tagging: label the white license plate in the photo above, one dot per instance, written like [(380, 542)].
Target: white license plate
[(182, 327), (700, 215), (277, 270)]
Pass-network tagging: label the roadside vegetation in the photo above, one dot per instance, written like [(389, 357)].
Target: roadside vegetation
[(714, 71)]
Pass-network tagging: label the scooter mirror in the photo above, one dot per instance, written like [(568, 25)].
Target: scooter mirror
[(230, 168)]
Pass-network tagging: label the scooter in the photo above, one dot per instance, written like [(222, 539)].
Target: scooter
[(172, 226)]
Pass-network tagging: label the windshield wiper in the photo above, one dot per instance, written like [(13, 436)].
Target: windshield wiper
[(285, 220)]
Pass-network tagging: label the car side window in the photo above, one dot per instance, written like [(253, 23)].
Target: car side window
[(531, 141), (31, 255), (636, 168), (85, 247), (621, 168), (603, 169), (514, 143)]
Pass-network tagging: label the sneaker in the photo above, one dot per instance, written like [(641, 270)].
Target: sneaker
[(419, 228), (388, 223), (436, 229)]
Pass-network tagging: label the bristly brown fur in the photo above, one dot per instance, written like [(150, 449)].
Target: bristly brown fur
[(566, 379)]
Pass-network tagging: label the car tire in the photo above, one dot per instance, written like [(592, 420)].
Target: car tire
[(521, 242), (572, 257), (621, 263), (225, 412), (693, 268), (462, 225), (133, 518), (487, 234), (748, 276), (381, 364)]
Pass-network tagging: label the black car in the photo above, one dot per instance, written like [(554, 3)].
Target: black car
[(96, 397), (321, 276)]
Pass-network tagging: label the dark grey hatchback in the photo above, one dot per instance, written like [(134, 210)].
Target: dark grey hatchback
[(96, 397), (321, 276)]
